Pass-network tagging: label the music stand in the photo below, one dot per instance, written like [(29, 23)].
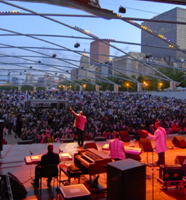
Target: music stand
[(145, 144)]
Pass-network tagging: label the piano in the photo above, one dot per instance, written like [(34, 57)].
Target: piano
[(35, 159), (91, 161), (131, 152)]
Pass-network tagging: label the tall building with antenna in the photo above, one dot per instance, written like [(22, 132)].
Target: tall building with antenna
[(173, 31)]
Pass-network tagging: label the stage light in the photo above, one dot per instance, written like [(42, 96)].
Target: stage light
[(122, 9), (54, 55), (30, 67), (77, 45), (148, 55), (20, 74), (56, 73), (24, 70), (39, 61)]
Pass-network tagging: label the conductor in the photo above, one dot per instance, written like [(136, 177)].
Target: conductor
[(49, 158), (79, 123)]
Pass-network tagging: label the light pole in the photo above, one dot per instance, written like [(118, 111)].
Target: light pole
[(127, 87), (160, 85), (84, 86)]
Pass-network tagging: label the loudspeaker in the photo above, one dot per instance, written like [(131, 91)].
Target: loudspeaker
[(124, 136), (179, 160), (126, 179), (90, 145), (181, 132), (25, 142), (145, 144), (171, 172), (100, 139), (18, 189), (141, 134), (184, 168), (178, 141), (122, 10), (67, 140), (1, 134)]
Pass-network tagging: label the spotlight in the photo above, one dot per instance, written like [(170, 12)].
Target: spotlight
[(24, 70), (30, 67), (56, 73), (148, 55), (39, 61), (122, 9), (54, 55), (77, 45), (20, 74)]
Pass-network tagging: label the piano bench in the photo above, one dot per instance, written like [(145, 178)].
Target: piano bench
[(63, 168)]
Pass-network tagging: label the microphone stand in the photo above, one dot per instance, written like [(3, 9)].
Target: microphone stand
[(30, 165), (94, 183)]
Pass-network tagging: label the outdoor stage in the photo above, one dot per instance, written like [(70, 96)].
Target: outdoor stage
[(13, 162)]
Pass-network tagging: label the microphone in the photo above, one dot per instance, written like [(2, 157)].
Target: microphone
[(60, 150)]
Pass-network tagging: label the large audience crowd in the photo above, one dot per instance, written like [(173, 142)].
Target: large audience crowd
[(106, 113)]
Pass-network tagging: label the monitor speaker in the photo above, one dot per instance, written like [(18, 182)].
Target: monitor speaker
[(1, 134), (18, 189), (124, 136), (178, 141), (90, 145), (179, 160)]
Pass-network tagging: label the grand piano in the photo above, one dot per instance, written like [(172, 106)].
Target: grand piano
[(90, 161)]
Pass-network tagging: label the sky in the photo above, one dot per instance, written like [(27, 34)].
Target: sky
[(115, 29)]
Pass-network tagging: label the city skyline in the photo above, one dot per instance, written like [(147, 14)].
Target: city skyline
[(104, 29)]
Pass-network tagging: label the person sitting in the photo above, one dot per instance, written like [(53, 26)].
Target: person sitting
[(117, 149), (50, 158)]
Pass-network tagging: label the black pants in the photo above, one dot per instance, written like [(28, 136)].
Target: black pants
[(38, 170), (161, 158), (80, 137)]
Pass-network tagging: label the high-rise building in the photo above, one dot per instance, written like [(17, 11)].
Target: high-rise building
[(62, 77), (132, 67), (15, 80), (96, 48), (84, 65), (29, 79), (174, 32)]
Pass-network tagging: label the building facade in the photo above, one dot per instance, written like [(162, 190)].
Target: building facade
[(174, 32), (97, 48)]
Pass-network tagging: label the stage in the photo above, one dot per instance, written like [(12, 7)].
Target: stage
[(13, 161)]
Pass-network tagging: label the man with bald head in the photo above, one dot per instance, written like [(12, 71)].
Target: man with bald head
[(79, 123), (49, 158)]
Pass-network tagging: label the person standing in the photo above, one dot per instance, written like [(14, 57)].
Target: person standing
[(10, 124), (19, 124), (160, 142), (79, 123), (117, 149)]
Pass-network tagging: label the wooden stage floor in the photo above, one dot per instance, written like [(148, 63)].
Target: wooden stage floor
[(13, 162)]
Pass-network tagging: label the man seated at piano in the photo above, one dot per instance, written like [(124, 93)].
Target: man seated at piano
[(49, 158), (117, 149)]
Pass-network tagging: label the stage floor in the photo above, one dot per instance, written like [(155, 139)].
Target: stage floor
[(13, 162)]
